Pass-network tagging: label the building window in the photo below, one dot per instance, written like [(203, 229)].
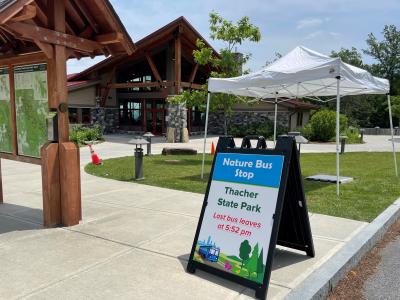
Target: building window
[(73, 115), (299, 119), (130, 112), (86, 116)]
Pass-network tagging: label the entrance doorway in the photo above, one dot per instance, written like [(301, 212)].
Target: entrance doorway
[(155, 116)]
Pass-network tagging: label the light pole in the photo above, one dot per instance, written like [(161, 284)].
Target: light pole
[(138, 142)]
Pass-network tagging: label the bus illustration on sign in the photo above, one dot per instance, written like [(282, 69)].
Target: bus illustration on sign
[(209, 253)]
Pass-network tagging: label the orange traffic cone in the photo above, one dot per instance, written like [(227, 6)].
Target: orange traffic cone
[(212, 148), (95, 158)]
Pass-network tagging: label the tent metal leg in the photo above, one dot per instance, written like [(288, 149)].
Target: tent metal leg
[(392, 134), (276, 116), (205, 135), (338, 137)]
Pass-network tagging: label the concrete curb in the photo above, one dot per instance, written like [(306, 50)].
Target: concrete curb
[(323, 280)]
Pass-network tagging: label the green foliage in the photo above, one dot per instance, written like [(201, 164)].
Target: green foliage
[(353, 135), (252, 263), (265, 129), (80, 134), (350, 56), (244, 251), (227, 64), (386, 53), (323, 125), (396, 106)]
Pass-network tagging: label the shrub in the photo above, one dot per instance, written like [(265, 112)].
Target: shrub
[(265, 129), (323, 125), (80, 134), (353, 135)]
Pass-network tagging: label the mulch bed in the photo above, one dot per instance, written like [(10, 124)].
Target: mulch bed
[(351, 286)]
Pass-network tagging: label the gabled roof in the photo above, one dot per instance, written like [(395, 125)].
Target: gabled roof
[(158, 37), (24, 22)]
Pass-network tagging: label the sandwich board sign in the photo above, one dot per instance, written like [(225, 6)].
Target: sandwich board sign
[(254, 200)]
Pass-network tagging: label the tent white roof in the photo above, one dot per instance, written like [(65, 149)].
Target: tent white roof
[(302, 73)]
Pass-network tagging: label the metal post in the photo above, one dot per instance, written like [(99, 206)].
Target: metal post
[(205, 135), (392, 134), (337, 136), (139, 163), (276, 116)]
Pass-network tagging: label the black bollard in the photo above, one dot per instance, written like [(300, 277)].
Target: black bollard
[(139, 164)]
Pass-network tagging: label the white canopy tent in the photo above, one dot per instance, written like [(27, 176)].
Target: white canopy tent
[(303, 73)]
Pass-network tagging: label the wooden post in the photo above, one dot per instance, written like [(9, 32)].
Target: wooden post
[(51, 185), (71, 211), (178, 64), (67, 190)]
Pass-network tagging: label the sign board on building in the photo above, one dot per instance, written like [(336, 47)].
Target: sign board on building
[(243, 207)]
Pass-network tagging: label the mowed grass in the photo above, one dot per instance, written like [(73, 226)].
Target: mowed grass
[(374, 187)]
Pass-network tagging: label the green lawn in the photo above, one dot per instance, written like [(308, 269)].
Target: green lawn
[(374, 188)]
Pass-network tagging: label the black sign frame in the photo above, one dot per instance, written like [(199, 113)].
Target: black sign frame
[(286, 147)]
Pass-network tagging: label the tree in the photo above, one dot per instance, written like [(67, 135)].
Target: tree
[(386, 53), (396, 106), (260, 264), (350, 56), (228, 63), (244, 251), (252, 263)]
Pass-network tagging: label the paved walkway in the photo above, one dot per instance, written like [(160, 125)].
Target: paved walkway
[(133, 243), (117, 145)]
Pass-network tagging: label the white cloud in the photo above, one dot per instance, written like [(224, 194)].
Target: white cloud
[(309, 22)]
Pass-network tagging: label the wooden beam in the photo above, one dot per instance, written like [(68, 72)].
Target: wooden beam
[(85, 12), (110, 38), (153, 67), (193, 73), (55, 37), (106, 91), (73, 14), (46, 48), (178, 64), (24, 159), (191, 85), (12, 10), (133, 85), (28, 12)]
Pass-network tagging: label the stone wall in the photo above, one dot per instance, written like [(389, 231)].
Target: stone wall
[(216, 119), (176, 120), (106, 118)]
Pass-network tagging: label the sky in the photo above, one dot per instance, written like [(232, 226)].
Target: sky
[(322, 25)]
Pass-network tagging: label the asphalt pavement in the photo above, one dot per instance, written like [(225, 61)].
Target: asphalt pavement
[(385, 283)]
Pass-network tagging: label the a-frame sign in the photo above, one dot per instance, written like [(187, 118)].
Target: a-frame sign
[(254, 201)]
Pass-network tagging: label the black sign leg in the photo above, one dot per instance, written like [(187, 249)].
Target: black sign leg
[(261, 293), (190, 268)]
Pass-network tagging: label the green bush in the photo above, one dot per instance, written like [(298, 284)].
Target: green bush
[(265, 129), (80, 134), (353, 135), (323, 125)]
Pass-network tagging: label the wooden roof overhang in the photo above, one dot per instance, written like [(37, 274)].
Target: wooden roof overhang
[(91, 28), (180, 26)]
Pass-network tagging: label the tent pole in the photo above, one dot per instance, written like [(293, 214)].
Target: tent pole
[(337, 136), (205, 135), (276, 116), (391, 132)]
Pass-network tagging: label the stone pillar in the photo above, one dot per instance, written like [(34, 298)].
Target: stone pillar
[(176, 119), (98, 115)]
